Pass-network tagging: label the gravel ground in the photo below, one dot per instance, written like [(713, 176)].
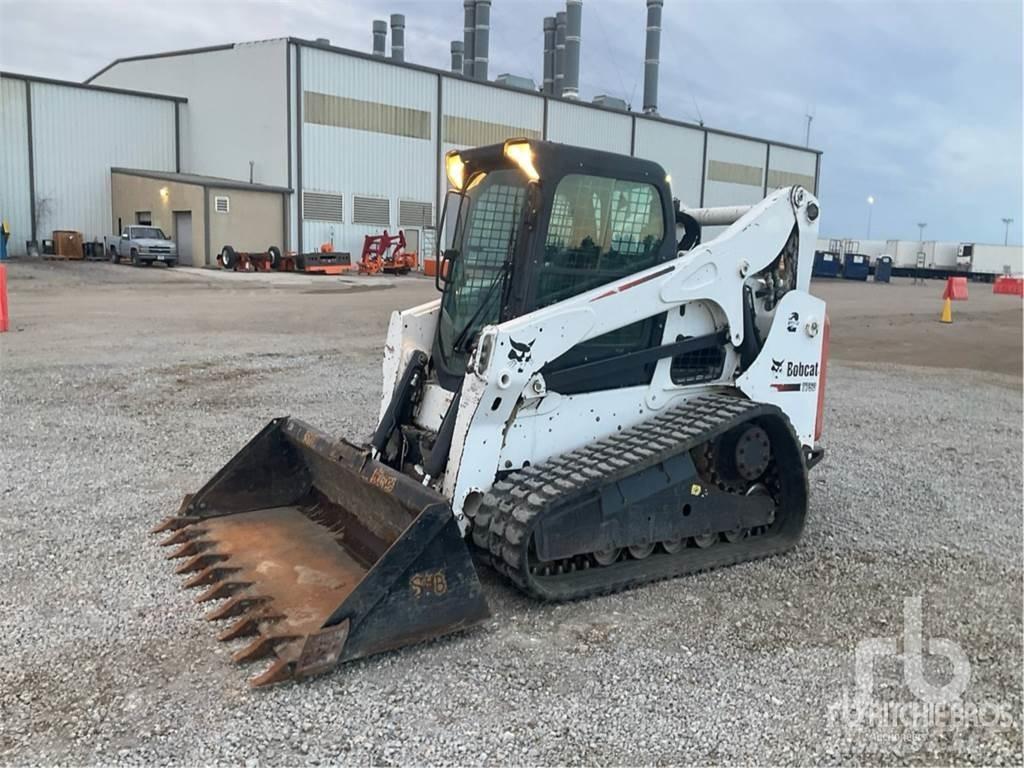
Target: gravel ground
[(125, 388)]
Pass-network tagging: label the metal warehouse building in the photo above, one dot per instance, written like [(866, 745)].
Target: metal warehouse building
[(360, 139), (354, 142), (58, 142)]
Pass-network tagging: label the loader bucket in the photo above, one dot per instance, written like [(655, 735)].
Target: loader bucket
[(321, 554)]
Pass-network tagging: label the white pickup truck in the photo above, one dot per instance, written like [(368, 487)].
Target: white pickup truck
[(141, 245)]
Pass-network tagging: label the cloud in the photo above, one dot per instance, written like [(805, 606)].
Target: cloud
[(918, 103)]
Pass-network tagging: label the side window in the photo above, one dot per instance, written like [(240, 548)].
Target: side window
[(601, 229)]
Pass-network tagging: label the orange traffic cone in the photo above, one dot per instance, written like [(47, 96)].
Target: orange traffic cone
[(947, 311)]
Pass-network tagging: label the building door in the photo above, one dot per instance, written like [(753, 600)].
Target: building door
[(183, 236), (412, 242)]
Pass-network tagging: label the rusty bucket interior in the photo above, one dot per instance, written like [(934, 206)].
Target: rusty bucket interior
[(319, 554)]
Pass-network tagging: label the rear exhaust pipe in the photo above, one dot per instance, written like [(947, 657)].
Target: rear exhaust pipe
[(468, 36), (398, 37), (652, 56), (481, 39), (559, 52), (380, 36), (458, 47), (549, 55), (718, 217), (573, 30)]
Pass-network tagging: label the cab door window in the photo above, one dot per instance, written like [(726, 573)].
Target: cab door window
[(601, 229)]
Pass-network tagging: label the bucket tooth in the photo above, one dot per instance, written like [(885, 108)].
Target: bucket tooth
[(199, 562), (211, 574), (243, 627), (173, 523), (278, 672), (188, 549), (234, 607), (259, 648), (223, 589), (181, 536)]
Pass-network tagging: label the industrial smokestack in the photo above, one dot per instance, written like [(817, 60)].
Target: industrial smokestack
[(457, 49), (573, 27), (549, 55), (652, 56), (559, 52), (482, 38), (398, 36), (380, 37), (468, 35)]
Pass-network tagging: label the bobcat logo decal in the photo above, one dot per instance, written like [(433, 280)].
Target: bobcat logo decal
[(520, 353), (777, 365)]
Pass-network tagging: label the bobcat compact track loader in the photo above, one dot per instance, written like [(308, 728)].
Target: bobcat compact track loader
[(592, 404)]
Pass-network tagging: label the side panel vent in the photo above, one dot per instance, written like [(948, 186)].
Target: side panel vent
[(322, 206), (371, 210), (413, 214)]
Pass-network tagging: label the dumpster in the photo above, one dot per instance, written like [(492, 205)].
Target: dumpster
[(855, 266), (883, 269), (826, 264)]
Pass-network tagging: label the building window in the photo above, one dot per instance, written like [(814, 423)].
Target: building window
[(371, 210), (322, 206), (222, 204), (145, 218), (413, 214)]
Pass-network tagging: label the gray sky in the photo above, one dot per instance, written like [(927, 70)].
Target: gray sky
[(916, 103)]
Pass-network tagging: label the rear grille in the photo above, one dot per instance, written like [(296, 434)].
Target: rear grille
[(699, 366)]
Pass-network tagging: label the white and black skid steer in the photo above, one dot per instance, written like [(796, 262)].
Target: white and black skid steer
[(591, 404)]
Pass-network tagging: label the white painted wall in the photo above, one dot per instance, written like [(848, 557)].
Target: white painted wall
[(792, 161), (588, 127), (235, 111), (733, 150), (679, 151), (78, 135), (358, 162), (15, 205)]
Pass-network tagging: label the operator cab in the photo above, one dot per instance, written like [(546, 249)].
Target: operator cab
[(532, 223)]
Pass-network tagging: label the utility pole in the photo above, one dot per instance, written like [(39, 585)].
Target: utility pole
[(807, 137), (871, 205), (920, 230), (1006, 236)]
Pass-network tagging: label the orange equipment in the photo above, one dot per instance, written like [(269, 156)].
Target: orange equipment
[(386, 253)]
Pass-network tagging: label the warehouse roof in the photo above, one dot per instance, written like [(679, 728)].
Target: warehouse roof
[(197, 180), (88, 87), (455, 75)]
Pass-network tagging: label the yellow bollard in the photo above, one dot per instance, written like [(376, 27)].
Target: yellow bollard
[(947, 311)]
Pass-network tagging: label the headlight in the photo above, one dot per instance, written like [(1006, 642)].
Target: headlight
[(520, 152), (455, 169)]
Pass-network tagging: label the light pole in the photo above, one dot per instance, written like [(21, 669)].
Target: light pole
[(871, 204), (920, 230), (1006, 237)]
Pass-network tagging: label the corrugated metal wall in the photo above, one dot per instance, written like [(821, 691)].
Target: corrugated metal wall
[(15, 203), (78, 135), (368, 130), (588, 127), (680, 151), (236, 109), (371, 129), (734, 171), (788, 167)]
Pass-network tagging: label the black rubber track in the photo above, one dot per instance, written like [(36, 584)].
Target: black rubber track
[(503, 526)]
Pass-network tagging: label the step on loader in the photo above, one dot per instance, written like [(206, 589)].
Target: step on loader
[(598, 399)]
